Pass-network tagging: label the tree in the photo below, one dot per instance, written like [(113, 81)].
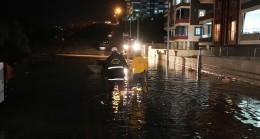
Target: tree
[(14, 43)]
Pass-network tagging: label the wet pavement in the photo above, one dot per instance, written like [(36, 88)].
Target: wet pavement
[(62, 99)]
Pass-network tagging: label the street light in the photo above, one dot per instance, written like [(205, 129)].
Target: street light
[(117, 13), (118, 10)]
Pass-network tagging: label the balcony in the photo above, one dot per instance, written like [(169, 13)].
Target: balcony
[(178, 38), (181, 37), (182, 21), (182, 3), (206, 39)]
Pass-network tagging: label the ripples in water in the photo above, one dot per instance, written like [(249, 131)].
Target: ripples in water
[(178, 105)]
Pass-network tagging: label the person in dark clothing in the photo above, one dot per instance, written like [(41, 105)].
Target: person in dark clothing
[(113, 70)]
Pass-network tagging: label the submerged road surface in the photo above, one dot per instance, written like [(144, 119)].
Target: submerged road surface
[(62, 99)]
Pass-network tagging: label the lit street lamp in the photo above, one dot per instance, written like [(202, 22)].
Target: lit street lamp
[(117, 13)]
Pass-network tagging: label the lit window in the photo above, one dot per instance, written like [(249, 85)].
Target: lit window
[(207, 30), (233, 31), (202, 13), (197, 31), (217, 33), (160, 11), (251, 22)]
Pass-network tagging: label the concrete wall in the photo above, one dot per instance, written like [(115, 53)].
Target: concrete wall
[(240, 69), (244, 70)]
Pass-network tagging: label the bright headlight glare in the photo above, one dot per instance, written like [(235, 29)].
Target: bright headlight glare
[(125, 46), (136, 46)]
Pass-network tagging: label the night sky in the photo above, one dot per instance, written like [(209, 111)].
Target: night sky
[(59, 11)]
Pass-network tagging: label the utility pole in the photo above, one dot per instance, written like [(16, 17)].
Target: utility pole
[(137, 34), (131, 16), (130, 33)]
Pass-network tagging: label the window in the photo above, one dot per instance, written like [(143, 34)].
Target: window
[(178, 2), (233, 31), (155, 11), (202, 13), (207, 30), (182, 1), (251, 22), (217, 33), (197, 31), (160, 11), (183, 14), (181, 31)]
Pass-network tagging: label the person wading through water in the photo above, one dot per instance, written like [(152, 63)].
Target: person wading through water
[(139, 68), (113, 71)]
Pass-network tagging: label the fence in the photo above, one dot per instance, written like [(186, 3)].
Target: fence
[(248, 53)]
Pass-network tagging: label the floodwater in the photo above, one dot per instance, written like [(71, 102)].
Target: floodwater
[(61, 99)]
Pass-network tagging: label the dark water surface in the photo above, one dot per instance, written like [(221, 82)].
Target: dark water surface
[(60, 99)]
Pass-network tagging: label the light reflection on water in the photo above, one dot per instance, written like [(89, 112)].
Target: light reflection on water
[(179, 106), (250, 112)]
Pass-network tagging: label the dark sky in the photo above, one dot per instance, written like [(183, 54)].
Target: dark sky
[(59, 11)]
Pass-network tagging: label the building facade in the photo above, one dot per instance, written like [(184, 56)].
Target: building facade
[(212, 23), (182, 23)]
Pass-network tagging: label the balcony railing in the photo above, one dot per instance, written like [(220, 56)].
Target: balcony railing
[(181, 37), (206, 35), (250, 36), (206, 39), (251, 31), (242, 51), (182, 21), (182, 2)]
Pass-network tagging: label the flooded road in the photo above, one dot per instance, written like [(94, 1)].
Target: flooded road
[(61, 99)]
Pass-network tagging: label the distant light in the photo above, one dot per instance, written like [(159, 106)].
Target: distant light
[(125, 46), (125, 72), (107, 22), (118, 10), (136, 46)]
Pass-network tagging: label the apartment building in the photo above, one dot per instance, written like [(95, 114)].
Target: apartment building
[(144, 8), (231, 23), (182, 22), (212, 23)]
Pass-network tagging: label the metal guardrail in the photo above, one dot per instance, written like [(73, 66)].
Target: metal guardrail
[(248, 53)]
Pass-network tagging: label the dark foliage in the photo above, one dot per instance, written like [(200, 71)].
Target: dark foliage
[(14, 43)]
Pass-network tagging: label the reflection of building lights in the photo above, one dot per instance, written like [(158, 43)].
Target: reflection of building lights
[(249, 113), (126, 73), (116, 99)]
